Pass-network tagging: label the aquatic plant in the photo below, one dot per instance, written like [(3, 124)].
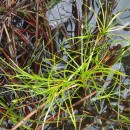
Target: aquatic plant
[(52, 77)]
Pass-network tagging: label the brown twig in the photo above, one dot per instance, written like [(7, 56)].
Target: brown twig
[(22, 36), (37, 22)]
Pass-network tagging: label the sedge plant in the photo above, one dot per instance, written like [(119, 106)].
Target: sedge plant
[(52, 95)]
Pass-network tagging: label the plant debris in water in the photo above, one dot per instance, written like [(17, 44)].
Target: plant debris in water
[(60, 65)]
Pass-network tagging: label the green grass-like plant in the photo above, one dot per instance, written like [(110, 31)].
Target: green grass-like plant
[(52, 95)]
